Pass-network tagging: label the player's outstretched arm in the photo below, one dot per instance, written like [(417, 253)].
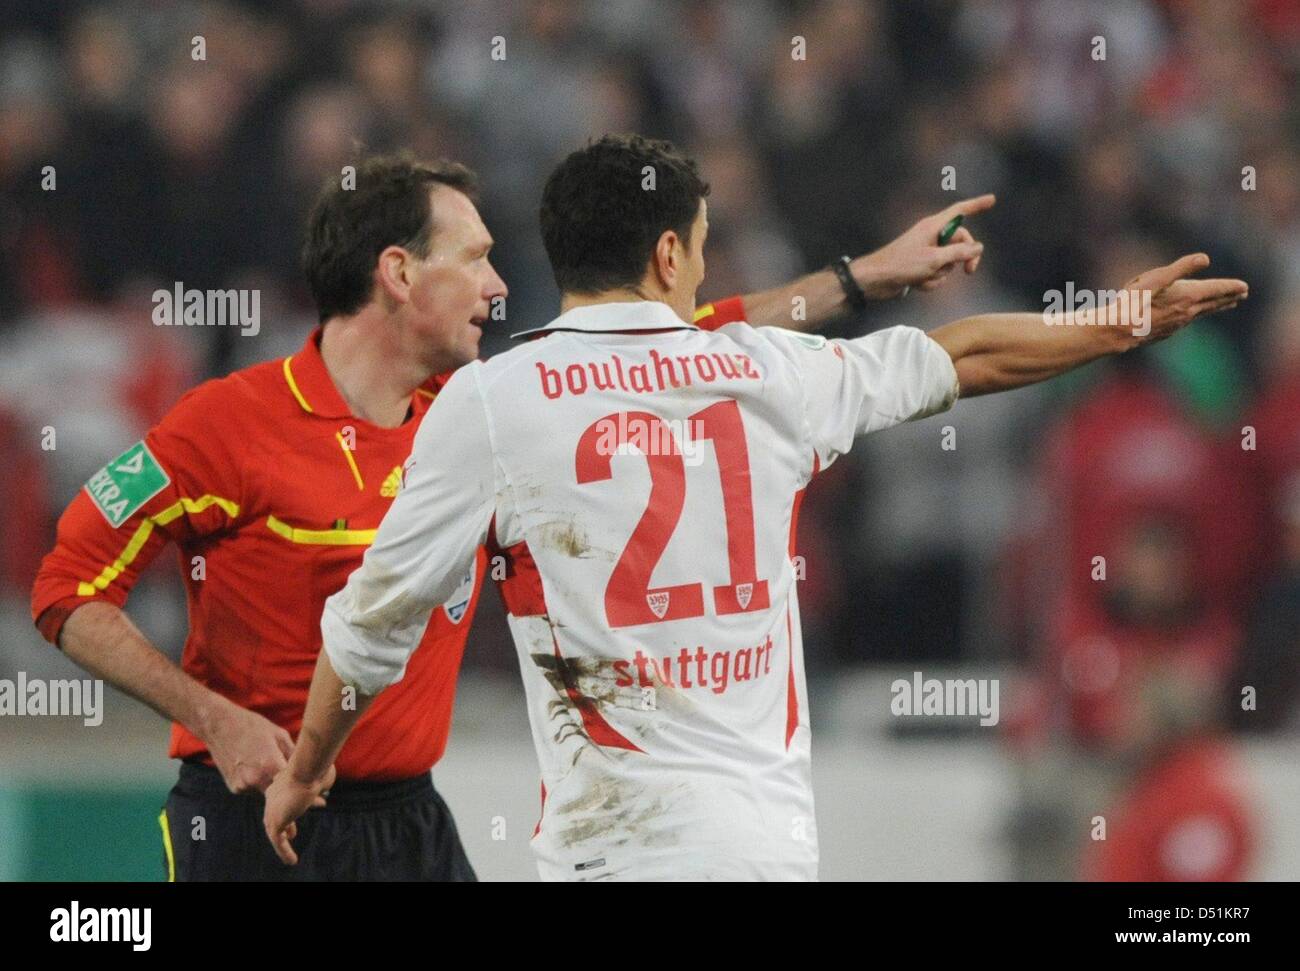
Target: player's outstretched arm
[(329, 717), (915, 259), (998, 352)]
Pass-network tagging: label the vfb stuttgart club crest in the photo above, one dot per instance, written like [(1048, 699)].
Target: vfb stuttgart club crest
[(744, 591), (658, 603)]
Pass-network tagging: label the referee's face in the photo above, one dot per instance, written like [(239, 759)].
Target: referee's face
[(453, 288)]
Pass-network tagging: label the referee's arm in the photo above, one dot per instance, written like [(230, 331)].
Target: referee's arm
[(180, 484), (914, 260)]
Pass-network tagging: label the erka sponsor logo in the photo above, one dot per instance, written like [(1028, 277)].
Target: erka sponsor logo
[(131, 925), (27, 697), (660, 373), (953, 697), (127, 483)]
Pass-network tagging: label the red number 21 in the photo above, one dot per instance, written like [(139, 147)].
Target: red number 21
[(629, 598)]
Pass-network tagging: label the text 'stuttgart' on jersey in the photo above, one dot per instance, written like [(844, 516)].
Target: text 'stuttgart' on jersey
[(641, 477)]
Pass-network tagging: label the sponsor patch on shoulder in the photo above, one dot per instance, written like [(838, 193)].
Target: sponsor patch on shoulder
[(125, 484)]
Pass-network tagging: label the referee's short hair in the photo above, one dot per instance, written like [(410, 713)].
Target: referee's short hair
[(605, 207), (353, 221)]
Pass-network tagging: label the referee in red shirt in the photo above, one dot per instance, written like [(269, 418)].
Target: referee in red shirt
[(272, 482)]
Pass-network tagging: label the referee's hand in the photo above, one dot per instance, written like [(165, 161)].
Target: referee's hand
[(286, 800), (247, 748)]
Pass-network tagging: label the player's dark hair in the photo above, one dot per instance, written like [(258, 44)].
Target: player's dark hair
[(388, 204), (600, 217)]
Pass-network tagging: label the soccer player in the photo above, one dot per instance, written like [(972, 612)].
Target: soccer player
[(642, 477), (272, 481)]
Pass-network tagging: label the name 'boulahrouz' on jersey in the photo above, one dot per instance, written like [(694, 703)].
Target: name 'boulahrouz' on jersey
[(663, 371)]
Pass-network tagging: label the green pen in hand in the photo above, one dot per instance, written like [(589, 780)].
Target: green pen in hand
[(945, 235)]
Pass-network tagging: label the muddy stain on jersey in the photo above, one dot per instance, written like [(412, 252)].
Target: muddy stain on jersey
[(564, 537)]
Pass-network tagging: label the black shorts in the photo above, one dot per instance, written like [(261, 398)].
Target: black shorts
[(368, 831)]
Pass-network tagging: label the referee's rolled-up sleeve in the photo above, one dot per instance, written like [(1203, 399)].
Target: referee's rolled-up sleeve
[(424, 546)]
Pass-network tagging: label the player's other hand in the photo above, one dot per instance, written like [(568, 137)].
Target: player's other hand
[(1163, 301), (915, 259), (286, 800), (247, 748)]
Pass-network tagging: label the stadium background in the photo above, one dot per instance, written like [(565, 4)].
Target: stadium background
[(1119, 699)]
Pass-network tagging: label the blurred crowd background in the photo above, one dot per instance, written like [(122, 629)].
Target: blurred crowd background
[(1179, 464)]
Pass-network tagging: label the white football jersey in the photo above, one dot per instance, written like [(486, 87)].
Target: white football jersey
[(637, 481)]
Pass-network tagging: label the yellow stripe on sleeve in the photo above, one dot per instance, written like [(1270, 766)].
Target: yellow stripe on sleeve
[(141, 536)]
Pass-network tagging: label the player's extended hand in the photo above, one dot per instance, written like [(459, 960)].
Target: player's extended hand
[(1163, 301), (286, 800), (915, 259), (247, 748)]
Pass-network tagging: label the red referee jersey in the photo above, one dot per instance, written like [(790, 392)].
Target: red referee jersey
[(269, 478)]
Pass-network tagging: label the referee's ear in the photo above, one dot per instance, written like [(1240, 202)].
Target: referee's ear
[(393, 275)]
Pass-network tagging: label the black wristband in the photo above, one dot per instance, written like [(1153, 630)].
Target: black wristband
[(852, 292)]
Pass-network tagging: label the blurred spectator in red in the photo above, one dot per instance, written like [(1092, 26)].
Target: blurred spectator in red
[(1152, 552), (1184, 818), (1145, 659), (1125, 451)]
